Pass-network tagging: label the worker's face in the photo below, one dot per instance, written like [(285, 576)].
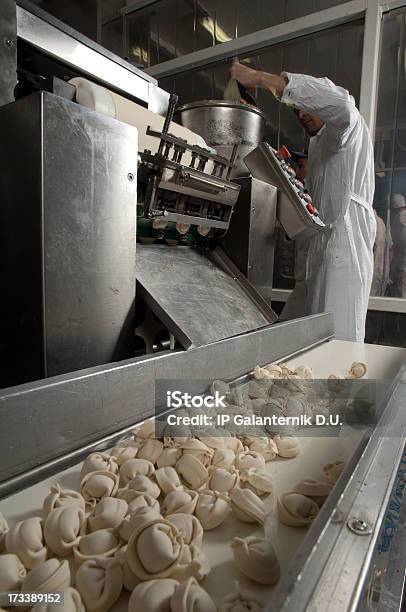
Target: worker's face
[(310, 123), (301, 168)]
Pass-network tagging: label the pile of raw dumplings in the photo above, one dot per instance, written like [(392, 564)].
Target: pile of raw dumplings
[(139, 518)]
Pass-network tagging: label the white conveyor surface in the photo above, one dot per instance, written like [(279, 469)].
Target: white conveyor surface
[(332, 357)]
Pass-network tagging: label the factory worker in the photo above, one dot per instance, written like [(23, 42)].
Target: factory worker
[(381, 257), (398, 231), (339, 263)]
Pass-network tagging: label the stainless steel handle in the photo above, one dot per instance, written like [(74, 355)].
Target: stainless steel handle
[(186, 177)]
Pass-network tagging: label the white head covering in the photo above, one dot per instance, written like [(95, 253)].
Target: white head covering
[(397, 201)]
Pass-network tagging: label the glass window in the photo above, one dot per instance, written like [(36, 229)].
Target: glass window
[(390, 161), (248, 17), (166, 30), (138, 36), (183, 26), (112, 36), (205, 18)]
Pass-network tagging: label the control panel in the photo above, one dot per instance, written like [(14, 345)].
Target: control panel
[(296, 211)]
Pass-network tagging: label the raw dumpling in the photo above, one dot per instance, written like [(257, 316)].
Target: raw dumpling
[(190, 597), (99, 582), (124, 453), (99, 462), (357, 369), (240, 601), (262, 373), (12, 573), (146, 430), (238, 396), (317, 490), (136, 500), (72, 602), (198, 449), (296, 510), (335, 383), (62, 529), (48, 577), (277, 371), (193, 564), (305, 372), (296, 407), (169, 457), (212, 441), (192, 471), (265, 446), (155, 550), (220, 387), (168, 480), (140, 516), (96, 485), (258, 480), (153, 596), (135, 467), (173, 435), (130, 580), (249, 458), (223, 458), (247, 506), (189, 526), (333, 471), (25, 539), (144, 486), (97, 545), (279, 391), (223, 479), (286, 369), (212, 508), (108, 513), (61, 498), (256, 558), (182, 228), (257, 389), (288, 446), (273, 409), (234, 444), (179, 501), (151, 450)]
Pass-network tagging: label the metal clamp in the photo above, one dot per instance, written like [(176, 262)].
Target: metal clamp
[(186, 177)]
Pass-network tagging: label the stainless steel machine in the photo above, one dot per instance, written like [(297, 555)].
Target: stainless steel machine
[(250, 241), (87, 169), (94, 157), (270, 190), (223, 124)]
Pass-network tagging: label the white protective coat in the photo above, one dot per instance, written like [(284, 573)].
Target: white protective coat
[(341, 181)]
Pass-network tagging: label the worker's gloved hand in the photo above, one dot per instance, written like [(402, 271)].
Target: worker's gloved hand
[(244, 75)]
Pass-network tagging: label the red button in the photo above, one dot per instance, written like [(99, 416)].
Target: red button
[(310, 208), (284, 152)]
